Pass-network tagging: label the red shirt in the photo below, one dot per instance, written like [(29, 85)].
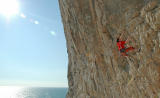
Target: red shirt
[(121, 44)]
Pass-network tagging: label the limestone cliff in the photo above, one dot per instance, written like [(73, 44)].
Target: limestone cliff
[(96, 69)]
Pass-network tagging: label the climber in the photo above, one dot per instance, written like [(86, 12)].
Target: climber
[(121, 46)]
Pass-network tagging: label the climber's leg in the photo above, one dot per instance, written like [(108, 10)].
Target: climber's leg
[(128, 49), (124, 54)]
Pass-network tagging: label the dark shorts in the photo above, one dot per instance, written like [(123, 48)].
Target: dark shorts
[(123, 50)]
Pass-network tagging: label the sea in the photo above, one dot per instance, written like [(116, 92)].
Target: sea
[(32, 92)]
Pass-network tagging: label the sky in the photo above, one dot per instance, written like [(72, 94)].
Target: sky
[(32, 44)]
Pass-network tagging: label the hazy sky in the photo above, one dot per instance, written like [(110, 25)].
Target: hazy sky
[(32, 45)]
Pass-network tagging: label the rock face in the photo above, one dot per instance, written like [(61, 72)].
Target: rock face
[(96, 69)]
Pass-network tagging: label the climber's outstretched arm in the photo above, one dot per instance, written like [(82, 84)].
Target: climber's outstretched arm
[(128, 39), (120, 38)]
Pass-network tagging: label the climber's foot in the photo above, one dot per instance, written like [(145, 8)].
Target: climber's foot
[(124, 54)]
